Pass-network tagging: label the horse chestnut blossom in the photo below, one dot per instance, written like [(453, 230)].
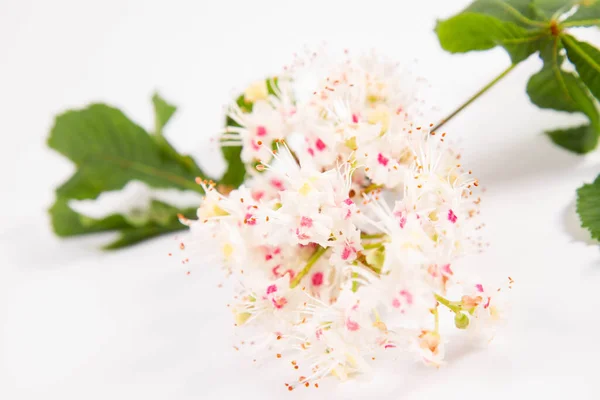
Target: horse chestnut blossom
[(347, 236)]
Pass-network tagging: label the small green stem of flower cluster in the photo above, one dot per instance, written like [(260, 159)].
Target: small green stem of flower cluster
[(461, 319), (311, 261), (474, 97), (367, 236), (452, 305)]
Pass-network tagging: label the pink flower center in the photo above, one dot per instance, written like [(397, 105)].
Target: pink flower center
[(352, 325), (320, 145), (408, 296), (306, 222), (277, 184), (311, 152), (382, 160), (261, 130), (257, 195), (301, 235), (275, 270), (347, 252), (271, 289), (401, 218), (317, 279), (408, 300), (487, 304), (279, 302), (446, 269), (451, 216), (249, 219), (479, 287), (355, 118)]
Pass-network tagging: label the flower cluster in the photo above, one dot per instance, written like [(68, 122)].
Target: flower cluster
[(344, 241)]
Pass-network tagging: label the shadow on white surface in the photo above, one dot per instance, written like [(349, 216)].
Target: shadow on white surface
[(524, 158)]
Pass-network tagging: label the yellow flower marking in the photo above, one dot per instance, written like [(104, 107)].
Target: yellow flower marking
[(256, 91)]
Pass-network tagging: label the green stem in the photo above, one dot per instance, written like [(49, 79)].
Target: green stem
[(444, 301), (311, 261), (474, 97), (436, 315), (372, 236)]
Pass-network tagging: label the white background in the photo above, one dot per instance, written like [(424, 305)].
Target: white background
[(79, 323)]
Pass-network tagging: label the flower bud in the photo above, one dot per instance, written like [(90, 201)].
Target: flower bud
[(461, 320)]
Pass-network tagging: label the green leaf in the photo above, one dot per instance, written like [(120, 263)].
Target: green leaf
[(588, 14), (559, 90), (67, 222), (551, 9), (562, 91), (160, 218), (474, 32), (586, 59), (581, 139), (109, 150), (163, 112), (516, 11), (236, 170), (588, 207)]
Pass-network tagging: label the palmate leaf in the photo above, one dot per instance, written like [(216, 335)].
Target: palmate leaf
[(586, 59), (562, 91), (523, 27), (588, 207), (588, 14), (549, 9), (67, 222), (474, 32), (160, 218), (556, 89), (515, 11), (163, 112), (581, 139), (109, 150)]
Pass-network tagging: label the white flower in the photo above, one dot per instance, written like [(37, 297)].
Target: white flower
[(486, 310), (346, 239), (430, 348), (256, 130)]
